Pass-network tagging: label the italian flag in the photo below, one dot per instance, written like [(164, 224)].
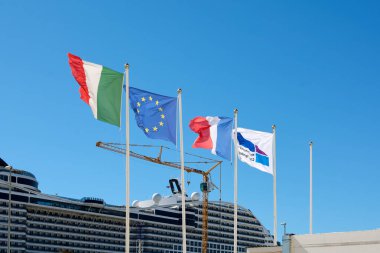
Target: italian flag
[(100, 88)]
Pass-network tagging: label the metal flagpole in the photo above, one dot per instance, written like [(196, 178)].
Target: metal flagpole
[(311, 188), (127, 158), (274, 188), (235, 183), (9, 208), (183, 196)]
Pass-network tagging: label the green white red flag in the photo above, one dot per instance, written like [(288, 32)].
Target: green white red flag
[(100, 88)]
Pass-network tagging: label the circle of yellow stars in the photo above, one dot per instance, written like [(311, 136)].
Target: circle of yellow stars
[(159, 108)]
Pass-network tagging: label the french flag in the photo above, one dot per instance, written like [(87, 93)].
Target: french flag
[(214, 133)]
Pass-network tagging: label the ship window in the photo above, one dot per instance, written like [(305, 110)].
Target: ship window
[(27, 182)]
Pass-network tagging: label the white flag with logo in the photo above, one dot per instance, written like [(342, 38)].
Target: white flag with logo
[(255, 148)]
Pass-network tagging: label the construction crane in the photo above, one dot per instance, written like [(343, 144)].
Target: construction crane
[(119, 148)]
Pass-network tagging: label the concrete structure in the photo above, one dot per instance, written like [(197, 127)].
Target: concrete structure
[(265, 250), (344, 242)]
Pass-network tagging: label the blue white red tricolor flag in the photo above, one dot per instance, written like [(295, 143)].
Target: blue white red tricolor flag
[(255, 148), (214, 133)]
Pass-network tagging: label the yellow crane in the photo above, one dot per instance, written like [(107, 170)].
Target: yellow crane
[(119, 148)]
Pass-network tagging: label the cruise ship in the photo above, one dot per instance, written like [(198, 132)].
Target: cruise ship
[(32, 221)]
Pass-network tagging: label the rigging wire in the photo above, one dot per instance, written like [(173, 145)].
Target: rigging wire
[(164, 147)]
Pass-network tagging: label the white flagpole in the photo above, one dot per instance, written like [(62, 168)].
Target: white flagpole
[(311, 188), (235, 183), (274, 188), (127, 156), (183, 196)]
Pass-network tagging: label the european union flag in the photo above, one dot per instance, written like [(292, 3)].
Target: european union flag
[(155, 114)]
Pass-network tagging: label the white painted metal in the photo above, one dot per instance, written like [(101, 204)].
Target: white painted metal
[(274, 188), (235, 182), (311, 188), (9, 208), (182, 172), (127, 158)]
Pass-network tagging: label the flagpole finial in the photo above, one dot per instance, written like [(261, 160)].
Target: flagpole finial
[(179, 91), (311, 143), (273, 127), (126, 66), (235, 110)]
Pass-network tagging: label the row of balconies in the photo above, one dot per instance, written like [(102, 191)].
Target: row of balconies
[(74, 235), (72, 230), (43, 247), (79, 221), (75, 222), (67, 242)]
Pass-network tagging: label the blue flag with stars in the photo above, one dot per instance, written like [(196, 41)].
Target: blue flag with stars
[(155, 114)]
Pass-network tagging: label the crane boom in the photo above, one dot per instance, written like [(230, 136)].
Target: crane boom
[(205, 175), (114, 148)]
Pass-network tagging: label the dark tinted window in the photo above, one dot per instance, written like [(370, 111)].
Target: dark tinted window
[(5, 178), (27, 182)]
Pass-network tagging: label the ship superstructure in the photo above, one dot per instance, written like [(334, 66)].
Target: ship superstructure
[(47, 223)]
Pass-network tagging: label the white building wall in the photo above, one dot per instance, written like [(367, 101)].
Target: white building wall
[(345, 242)]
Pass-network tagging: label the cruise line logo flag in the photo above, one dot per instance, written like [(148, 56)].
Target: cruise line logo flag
[(100, 88), (155, 114), (255, 149), (214, 133)]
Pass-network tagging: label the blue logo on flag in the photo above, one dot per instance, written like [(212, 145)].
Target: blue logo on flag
[(155, 114), (261, 157)]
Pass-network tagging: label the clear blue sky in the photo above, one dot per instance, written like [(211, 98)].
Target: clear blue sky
[(310, 67)]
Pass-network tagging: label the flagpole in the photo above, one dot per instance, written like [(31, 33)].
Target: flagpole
[(235, 183), (183, 196), (9, 208), (311, 188), (127, 156), (274, 188)]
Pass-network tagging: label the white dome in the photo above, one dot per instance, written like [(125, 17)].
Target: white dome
[(195, 196), (135, 203), (156, 197)]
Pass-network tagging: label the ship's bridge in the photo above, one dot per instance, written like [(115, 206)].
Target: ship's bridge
[(20, 178)]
